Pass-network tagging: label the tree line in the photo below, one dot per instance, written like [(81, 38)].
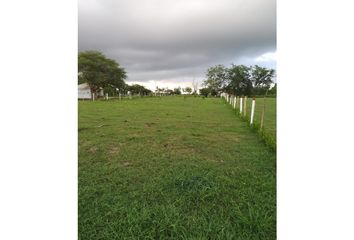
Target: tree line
[(100, 72), (175, 91), (238, 80)]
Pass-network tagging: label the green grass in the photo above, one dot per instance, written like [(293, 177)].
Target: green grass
[(169, 168), (269, 123), (269, 114)]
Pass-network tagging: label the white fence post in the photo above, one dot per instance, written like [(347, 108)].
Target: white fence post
[(241, 104), (252, 109), (244, 106), (106, 96), (93, 96)]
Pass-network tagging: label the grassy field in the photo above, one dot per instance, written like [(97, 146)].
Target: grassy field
[(173, 168)]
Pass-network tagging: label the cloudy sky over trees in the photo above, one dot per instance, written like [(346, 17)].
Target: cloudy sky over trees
[(171, 42)]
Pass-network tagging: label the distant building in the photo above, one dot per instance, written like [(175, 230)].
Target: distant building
[(84, 92)]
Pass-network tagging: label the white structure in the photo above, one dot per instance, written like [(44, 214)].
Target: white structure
[(84, 92)]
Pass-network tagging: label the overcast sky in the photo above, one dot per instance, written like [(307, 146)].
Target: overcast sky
[(169, 43)]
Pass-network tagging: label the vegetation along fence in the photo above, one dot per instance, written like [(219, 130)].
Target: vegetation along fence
[(259, 113)]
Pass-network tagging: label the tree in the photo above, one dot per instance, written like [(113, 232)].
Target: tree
[(262, 77), (168, 91), (138, 89), (239, 79), (99, 72), (204, 91), (177, 91), (216, 78), (188, 90)]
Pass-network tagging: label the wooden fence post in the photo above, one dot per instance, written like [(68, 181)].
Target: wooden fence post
[(263, 110), (252, 109)]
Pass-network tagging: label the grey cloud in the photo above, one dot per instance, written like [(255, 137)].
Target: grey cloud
[(170, 39)]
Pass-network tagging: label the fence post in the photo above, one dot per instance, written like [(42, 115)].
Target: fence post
[(252, 109), (241, 104), (244, 106), (93, 96), (106, 96), (263, 110)]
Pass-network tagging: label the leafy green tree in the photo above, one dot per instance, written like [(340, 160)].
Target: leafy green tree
[(204, 91), (168, 91), (177, 91), (99, 72), (239, 80), (138, 89), (262, 77), (216, 78), (188, 90), (110, 90), (259, 91)]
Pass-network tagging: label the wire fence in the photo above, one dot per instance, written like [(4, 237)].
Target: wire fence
[(105, 97), (260, 113)]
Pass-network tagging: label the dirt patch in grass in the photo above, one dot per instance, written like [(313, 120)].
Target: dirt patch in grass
[(93, 149), (126, 164), (113, 150)]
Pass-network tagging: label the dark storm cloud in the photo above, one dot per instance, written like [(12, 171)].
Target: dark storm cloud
[(170, 39)]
